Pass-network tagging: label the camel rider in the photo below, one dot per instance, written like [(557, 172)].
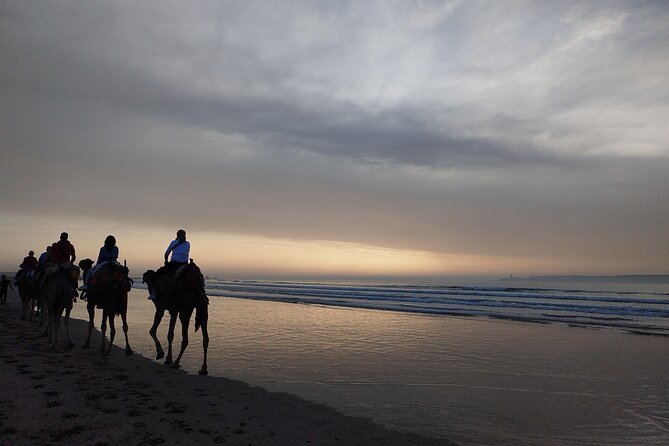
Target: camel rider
[(108, 253), (27, 267), (43, 258), (180, 250), (62, 252), (41, 263)]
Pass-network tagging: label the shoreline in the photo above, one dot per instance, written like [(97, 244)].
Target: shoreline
[(78, 396)]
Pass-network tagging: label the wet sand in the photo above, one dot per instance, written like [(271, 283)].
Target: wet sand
[(78, 396)]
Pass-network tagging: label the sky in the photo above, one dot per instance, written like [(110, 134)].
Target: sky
[(340, 138)]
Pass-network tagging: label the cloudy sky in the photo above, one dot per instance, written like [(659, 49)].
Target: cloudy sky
[(340, 138)]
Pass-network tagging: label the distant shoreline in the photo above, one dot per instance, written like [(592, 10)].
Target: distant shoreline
[(638, 278)]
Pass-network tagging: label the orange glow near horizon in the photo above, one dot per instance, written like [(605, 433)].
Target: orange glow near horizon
[(233, 255)]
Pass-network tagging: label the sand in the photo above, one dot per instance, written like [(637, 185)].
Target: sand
[(79, 396)]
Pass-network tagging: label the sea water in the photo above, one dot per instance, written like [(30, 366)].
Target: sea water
[(481, 365)]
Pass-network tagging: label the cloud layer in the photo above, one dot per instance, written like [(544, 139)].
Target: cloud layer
[(521, 129)]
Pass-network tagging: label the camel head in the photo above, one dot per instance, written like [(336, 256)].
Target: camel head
[(148, 277), (86, 264)]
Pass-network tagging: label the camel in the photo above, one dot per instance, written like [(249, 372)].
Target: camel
[(59, 298), (108, 290), (28, 288), (179, 296)]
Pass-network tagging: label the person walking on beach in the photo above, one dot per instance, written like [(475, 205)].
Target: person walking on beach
[(4, 283), (180, 250)]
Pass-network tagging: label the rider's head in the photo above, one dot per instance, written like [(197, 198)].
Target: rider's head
[(63, 236), (31, 253), (181, 234), (110, 241)]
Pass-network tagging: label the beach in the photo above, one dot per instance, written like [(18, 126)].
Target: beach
[(337, 373), (77, 396)]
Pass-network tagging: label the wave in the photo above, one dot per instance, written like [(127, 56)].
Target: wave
[(631, 311)]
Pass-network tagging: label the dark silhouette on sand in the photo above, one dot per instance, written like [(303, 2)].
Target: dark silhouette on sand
[(4, 283), (108, 290), (179, 293), (27, 286), (59, 298)]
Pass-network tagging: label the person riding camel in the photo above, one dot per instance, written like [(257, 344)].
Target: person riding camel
[(62, 252), (108, 253), (27, 267), (44, 258), (180, 250)]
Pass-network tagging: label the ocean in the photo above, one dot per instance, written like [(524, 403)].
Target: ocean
[(483, 363), (635, 308)]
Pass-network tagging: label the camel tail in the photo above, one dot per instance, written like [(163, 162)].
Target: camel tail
[(201, 311)]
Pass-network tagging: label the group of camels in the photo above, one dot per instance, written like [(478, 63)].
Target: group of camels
[(178, 293)]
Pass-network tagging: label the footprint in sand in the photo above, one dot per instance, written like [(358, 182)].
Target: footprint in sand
[(135, 413), (174, 407), (182, 425)]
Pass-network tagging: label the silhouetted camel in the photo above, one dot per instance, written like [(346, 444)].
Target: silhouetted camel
[(27, 287), (42, 304), (108, 290), (59, 297), (179, 296)]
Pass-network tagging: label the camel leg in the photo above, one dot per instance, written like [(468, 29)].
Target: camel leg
[(185, 321), (205, 346), (170, 337), (40, 308), (55, 325), (46, 317), (91, 325), (103, 329), (128, 350), (112, 332), (23, 295), (153, 332), (31, 308), (66, 323)]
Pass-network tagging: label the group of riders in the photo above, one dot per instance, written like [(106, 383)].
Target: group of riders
[(59, 258), (177, 287)]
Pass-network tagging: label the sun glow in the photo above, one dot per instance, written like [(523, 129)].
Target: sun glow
[(226, 255)]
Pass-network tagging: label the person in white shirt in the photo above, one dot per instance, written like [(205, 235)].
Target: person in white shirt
[(180, 250)]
